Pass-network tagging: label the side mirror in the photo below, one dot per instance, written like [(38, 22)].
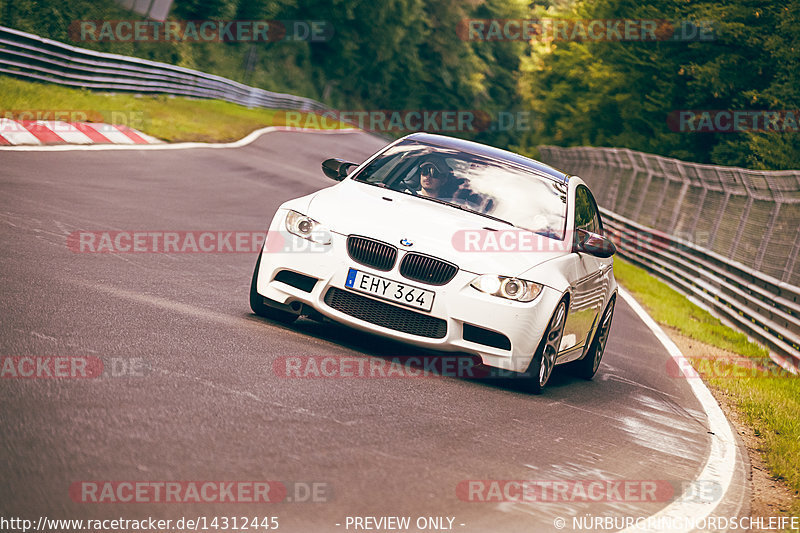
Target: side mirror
[(594, 244), (336, 169)]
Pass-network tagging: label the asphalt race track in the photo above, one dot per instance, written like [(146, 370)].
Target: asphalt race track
[(205, 402)]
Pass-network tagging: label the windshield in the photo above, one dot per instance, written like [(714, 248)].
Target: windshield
[(487, 187)]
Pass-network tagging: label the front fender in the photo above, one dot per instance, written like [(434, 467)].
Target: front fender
[(553, 273)]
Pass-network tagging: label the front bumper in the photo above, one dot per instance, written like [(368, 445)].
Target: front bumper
[(456, 303)]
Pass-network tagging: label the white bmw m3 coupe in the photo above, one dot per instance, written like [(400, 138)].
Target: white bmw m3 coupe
[(450, 245)]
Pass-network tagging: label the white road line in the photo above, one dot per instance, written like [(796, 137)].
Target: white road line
[(720, 464), (176, 146), (16, 133)]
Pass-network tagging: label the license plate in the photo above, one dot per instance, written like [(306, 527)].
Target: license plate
[(387, 289)]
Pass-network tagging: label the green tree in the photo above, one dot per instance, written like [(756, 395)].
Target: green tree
[(205, 9), (621, 93)]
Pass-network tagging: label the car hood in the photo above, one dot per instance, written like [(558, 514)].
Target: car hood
[(466, 239)]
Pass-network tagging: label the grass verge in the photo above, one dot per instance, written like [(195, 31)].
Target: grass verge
[(670, 307), (170, 119), (767, 399)]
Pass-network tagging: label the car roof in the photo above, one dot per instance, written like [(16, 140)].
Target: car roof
[(489, 152)]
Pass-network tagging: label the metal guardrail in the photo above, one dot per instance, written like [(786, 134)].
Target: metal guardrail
[(32, 57), (654, 207), (766, 311)]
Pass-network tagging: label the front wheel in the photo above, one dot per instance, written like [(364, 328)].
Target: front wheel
[(260, 308), (544, 360), (587, 367)]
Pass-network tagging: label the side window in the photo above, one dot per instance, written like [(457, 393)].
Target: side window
[(598, 225), (586, 217)]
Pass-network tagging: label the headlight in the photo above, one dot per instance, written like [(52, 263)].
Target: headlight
[(516, 289), (307, 228)]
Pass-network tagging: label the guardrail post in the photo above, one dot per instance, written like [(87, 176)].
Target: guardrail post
[(790, 263), (640, 203), (762, 249), (635, 169), (611, 196), (712, 234), (740, 229), (667, 179), (676, 211), (696, 217)]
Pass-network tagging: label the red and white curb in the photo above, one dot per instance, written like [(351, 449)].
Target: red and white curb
[(159, 145), (54, 132)]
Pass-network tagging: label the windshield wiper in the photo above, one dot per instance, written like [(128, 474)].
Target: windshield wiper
[(487, 216), (463, 208)]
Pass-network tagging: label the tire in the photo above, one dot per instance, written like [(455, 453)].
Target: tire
[(587, 367), (543, 362), (260, 308)]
